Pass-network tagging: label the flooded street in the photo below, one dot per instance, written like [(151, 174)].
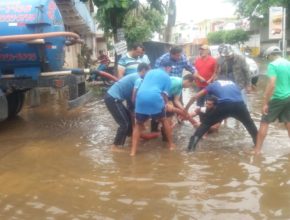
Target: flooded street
[(57, 164)]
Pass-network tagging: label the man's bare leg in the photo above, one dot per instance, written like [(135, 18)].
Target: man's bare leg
[(261, 137), (168, 131), (135, 138), (287, 124)]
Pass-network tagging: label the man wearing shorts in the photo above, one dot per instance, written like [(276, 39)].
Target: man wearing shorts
[(276, 103), (151, 100)]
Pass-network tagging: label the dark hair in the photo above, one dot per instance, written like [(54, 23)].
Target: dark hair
[(188, 77), (134, 46), (175, 50), (213, 99), (143, 66)]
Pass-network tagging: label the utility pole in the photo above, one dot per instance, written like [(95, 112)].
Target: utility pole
[(170, 21), (284, 42)]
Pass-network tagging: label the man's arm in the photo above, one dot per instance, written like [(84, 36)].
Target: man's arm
[(158, 61), (268, 94), (121, 71), (187, 65), (177, 102), (212, 78), (195, 97)]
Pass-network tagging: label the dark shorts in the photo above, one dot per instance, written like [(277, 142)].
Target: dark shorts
[(278, 109), (141, 118), (169, 114)]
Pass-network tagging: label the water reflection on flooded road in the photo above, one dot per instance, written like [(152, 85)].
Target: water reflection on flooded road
[(56, 164)]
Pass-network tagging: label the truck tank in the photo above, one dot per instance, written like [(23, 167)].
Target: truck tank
[(31, 17), (32, 41)]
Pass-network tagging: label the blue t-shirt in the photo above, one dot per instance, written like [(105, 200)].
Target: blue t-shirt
[(138, 83), (123, 88), (225, 91), (149, 98), (129, 63)]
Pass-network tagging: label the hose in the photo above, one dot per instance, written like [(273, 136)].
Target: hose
[(107, 75), (29, 37)]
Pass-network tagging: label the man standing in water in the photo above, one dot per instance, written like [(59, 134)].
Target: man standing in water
[(206, 66), (234, 67), (151, 99), (119, 92), (230, 104), (177, 60), (276, 103)]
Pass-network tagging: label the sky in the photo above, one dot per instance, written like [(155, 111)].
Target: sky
[(198, 10)]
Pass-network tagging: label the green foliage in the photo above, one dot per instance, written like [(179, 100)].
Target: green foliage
[(140, 26), (216, 37), (138, 20), (111, 14), (228, 37), (246, 7), (236, 36)]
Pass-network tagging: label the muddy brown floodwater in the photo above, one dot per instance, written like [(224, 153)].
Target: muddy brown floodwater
[(56, 164)]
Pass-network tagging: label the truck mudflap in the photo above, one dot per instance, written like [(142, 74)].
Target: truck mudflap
[(3, 106), (80, 100)]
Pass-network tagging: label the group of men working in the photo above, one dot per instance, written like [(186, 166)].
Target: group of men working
[(149, 93)]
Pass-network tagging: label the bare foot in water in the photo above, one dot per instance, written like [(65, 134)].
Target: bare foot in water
[(171, 146), (117, 148), (253, 152)]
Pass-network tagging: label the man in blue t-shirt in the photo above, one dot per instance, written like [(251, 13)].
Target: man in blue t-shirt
[(118, 93), (151, 100), (229, 104)]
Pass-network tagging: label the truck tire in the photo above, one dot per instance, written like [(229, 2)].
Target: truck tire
[(15, 103)]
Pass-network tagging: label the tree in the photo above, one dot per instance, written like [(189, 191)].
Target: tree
[(111, 14), (139, 20), (236, 36), (228, 37), (141, 23), (246, 8), (216, 37)]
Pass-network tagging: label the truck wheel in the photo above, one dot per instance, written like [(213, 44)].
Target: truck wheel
[(15, 103)]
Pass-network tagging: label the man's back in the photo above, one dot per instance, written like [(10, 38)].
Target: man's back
[(123, 88), (225, 91), (149, 98), (280, 68)]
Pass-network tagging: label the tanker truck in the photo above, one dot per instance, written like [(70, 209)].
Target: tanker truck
[(32, 42)]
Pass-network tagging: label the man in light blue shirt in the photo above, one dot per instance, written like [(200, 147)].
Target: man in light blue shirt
[(119, 92)]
